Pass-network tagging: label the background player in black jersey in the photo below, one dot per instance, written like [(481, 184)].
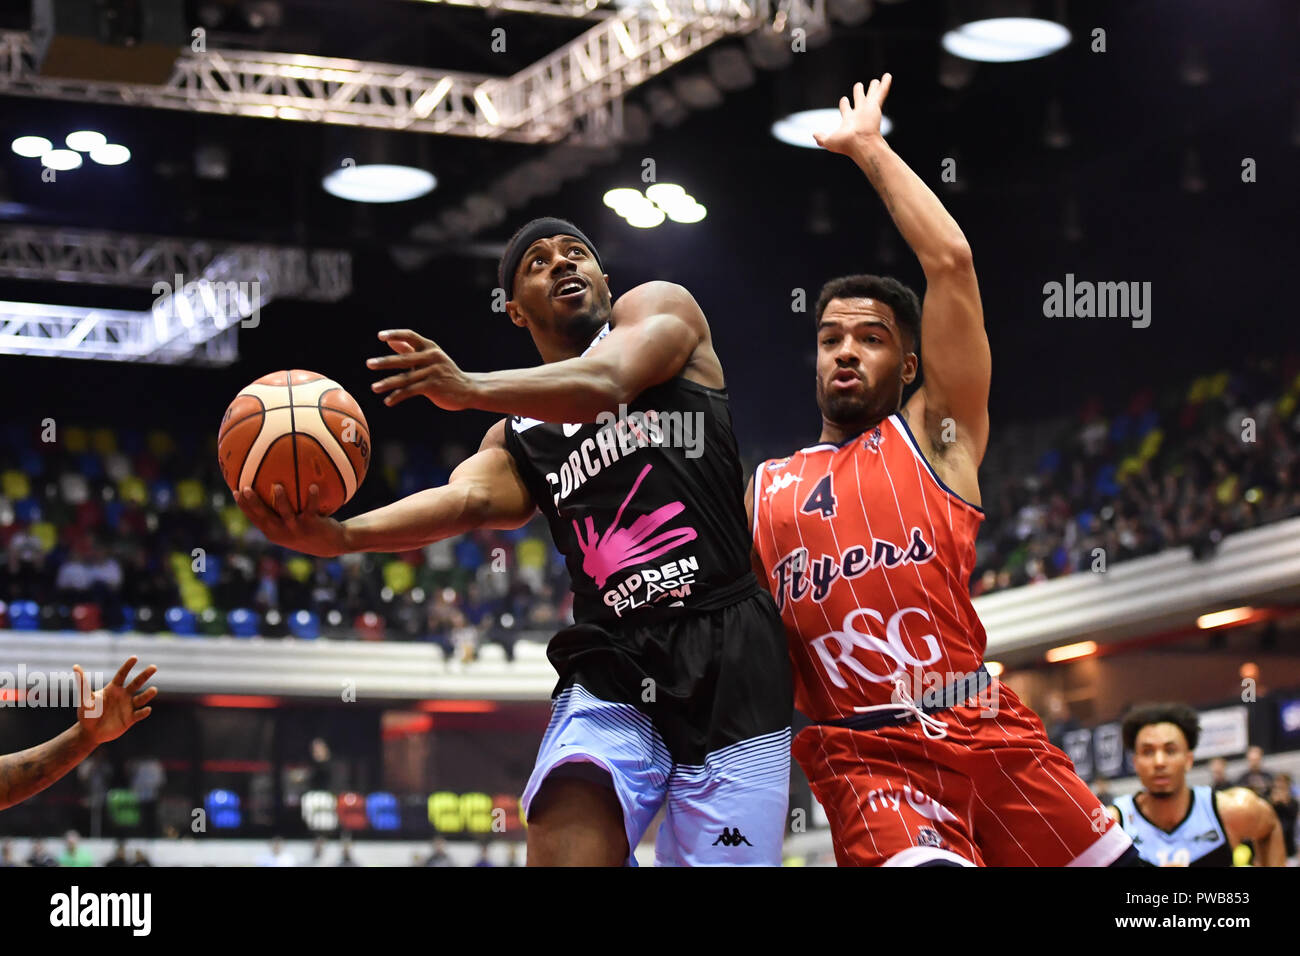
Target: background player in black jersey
[(674, 681), (1173, 824)]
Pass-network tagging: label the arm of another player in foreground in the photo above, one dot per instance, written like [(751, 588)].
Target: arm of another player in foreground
[(954, 347), (485, 491), (1249, 817), (102, 716), (655, 330)]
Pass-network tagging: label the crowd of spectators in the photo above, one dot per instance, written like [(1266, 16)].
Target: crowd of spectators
[(132, 524)]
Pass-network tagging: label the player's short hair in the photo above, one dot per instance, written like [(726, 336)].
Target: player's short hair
[(906, 306), (1143, 715)]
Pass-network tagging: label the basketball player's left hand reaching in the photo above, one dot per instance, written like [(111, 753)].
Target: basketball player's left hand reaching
[(109, 712), (859, 121), (429, 372)]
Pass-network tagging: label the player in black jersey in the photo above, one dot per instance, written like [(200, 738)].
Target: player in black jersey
[(674, 683)]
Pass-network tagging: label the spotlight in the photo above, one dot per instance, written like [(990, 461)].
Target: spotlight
[(61, 159), (85, 140), (379, 183), (1006, 39), (110, 154), (797, 129), (31, 147)]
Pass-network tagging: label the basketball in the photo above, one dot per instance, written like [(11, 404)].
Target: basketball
[(295, 428)]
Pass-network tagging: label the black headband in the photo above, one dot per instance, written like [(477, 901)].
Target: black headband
[(537, 229)]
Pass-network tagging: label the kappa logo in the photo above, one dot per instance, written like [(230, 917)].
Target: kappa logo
[(780, 482), (874, 441), (731, 836), (1208, 835)]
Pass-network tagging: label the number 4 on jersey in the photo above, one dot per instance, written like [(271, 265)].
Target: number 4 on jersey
[(822, 499)]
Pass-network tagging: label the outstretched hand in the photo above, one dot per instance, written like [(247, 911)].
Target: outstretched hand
[(430, 372), (860, 120), (111, 711), (306, 531)]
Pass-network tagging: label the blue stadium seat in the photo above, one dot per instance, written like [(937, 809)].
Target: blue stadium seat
[(182, 621), (113, 513), (223, 809), (27, 511), (30, 463), (243, 622), (90, 465), (128, 620), (304, 624), (24, 615), (1105, 485), (468, 554), (383, 812), (162, 494), (211, 573)]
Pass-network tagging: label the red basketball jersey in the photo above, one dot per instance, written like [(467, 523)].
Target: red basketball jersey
[(868, 555)]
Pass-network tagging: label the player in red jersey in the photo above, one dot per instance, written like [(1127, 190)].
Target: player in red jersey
[(866, 541)]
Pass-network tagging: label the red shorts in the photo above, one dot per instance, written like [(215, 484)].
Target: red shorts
[(993, 791)]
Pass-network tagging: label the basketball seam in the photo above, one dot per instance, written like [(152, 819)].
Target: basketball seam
[(320, 405), (276, 408), (293, 430), (328, 458)]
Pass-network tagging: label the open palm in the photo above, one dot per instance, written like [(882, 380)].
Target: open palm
[(860, 120)]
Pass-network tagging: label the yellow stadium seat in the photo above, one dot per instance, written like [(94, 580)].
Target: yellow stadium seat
[(531, 553), (75, 439), (161, 444), (190, 494), (196, 597), (236, 521), (299, 568), (46, 534), (1286, 405), (1151, 444), (1218, 385), (15, 485), (1128, 467), (133, 490), (399, 576), (1226, 492), (1196, 394), (104, 441)]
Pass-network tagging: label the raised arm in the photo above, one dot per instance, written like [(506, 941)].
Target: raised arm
[(1249, 817), (485, 491), (954, 347), (656, 330), (102, 715)]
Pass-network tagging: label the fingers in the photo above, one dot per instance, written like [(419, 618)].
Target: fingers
[(845, 109), (886, 82), (255, 507), (396, 337), (408, 359), (283, 507), (139, 700), (141, 679), (140, 715), (860, 98), (402, 394), (392, 382), (120, 677), (313, 501)]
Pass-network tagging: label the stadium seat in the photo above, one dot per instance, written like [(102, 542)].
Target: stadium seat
[(182, 621), (103, 441), (382, 811), (369, 626), (274, 624), (319, 810), (352, 811), (189, 494), (4, 615), (74, 489), (160, 443), (242, 622), (117, 467), (55, 617), (27, 511), (75, 439), (222, 807), (211, 622), (24, 615), (149, 620), (128, 621), (123, 809), (305, 625), (87, 617), (299, 568), (162, 494), (133, 490), (211, 573), (399, 576), (31, 463)]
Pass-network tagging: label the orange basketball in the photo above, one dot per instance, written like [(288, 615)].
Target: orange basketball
[(295, 429)]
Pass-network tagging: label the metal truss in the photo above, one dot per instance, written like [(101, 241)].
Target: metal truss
[(203, 293), (572, 90), (118, 259)]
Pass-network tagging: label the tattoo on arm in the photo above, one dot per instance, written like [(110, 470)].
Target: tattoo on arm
[(30, 771)]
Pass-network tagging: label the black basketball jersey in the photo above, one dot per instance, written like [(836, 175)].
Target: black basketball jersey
[(646, 506)]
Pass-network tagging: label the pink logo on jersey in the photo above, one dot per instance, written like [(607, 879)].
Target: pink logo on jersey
[(620, 548)]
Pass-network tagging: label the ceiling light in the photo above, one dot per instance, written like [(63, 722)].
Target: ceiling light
[(61, 159), (84, 140), (645, 217), (687, 214), (32, 146), (1069, 652), (797, 129), (110, 154), (1006, 39), (1234, 615), (623, 199), (379, 183), (994, 668), (662, 193)]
